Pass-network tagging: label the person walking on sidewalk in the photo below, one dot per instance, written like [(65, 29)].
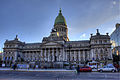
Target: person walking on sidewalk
[(14, 66), (28, 66), (77, 69)]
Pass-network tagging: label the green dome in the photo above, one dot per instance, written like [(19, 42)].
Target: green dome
[(60, 19)]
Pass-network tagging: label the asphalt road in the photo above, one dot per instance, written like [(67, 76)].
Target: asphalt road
[(15, 75)]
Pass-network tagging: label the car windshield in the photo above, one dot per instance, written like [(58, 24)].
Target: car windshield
[(111, 67), (105, 67)]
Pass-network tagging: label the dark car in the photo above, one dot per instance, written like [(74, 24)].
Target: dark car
[(85, 69)]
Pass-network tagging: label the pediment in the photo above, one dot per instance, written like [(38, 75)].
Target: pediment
[(51, 43)]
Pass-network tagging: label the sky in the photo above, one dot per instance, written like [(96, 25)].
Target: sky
[(32, 20)]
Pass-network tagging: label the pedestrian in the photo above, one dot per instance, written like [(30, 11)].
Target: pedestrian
[(78, 69), (14, 66), (117, 66), (28, 66)]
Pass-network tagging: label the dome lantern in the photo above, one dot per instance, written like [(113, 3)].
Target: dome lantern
[(60, 19)]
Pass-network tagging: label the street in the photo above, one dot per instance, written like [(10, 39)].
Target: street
[(33, 75)]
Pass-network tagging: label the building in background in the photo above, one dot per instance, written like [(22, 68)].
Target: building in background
[(56, 51), (115, 40), (1, 58)]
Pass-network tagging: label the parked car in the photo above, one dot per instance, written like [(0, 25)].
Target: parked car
[(93, 64), (107, 69), (85, 69)]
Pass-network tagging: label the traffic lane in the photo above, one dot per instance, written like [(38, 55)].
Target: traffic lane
[(57, 75)]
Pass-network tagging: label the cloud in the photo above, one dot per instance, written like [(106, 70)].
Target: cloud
[(94, 16), (114, 2), (109, 29), (83, 35)]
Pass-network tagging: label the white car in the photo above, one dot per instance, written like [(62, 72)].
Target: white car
[(107, 68), (93, 66)]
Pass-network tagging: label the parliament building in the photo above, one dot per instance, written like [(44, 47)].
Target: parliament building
[(56, 50)]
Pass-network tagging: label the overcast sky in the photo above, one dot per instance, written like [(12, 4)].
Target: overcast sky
[(32, 20)]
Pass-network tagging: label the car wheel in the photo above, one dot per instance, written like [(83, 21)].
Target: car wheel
[(113, 70), (101, 71)]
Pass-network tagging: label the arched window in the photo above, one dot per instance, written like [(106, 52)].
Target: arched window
[(62, 29), (96, 51), (12, 58), (100, 41), (97, 57), (95, 41), (101, 51), (105, 49), (5, 58), (72, 58), (58, 29)]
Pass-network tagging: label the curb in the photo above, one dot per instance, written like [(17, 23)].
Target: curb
[(43, 70), (35, 71), (38, 70)]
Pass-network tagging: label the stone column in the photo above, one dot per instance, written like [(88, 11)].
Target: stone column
[(79, 55), (92, 54), (73, 58), (84, 55), (70, 55), (110, 53), (63, 53), (39, 58), (16, 53), (45, 58), (95, 53), (75, 54), (52, 54), (67, 55), (41, 55), (48, 54), (3, 56), (88, 54), (29, 55), (98, 53), (57, 54), (36, 56)]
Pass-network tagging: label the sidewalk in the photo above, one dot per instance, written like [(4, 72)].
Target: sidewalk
[(41, 70)]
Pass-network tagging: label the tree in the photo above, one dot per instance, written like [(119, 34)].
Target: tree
[(116, 58)]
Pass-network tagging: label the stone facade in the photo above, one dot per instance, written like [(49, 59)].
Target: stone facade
[(56, 51)]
